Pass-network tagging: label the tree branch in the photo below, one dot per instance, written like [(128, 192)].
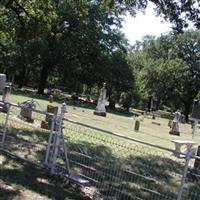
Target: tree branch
[(21, 7)]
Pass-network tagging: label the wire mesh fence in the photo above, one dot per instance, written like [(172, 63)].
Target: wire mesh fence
[(116, 166), (123, 168), (23, 133), (191, 187)]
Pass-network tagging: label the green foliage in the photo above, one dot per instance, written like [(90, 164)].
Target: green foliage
[(51, 43), (168, 67), (177, 12), (126, 100)]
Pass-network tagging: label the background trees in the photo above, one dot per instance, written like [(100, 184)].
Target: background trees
[(168, 67), (77, 45)]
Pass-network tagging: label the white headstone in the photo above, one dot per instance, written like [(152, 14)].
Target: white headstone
[(2, 82), (100, 109), (177, 116), (175, 124)]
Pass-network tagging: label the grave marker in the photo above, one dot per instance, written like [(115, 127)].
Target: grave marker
[(175, 124), (100, 109)]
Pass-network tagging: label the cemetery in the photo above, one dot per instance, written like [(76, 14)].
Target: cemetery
[(99, 100), (104, 156)]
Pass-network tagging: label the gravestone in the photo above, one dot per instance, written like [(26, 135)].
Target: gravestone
[(137, 125), (100, 109), (6, 93), (26, 110), (51, 109), (46, 124), (175, 124), (195, 116), (51, 98), (2, 82)]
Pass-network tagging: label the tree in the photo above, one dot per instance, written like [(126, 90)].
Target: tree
[(169, 68), (120, 78), (187, 47), (179, 13)]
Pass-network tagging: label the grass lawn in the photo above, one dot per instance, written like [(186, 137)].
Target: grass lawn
[(119, 123), (114, 162)]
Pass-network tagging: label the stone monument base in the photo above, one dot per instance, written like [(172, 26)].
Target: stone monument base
[(174, 133), (103, 114)]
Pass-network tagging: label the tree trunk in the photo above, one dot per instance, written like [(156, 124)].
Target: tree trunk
[(26, 78), (22, 77), (112, 104), (43, 78), (187, 106)]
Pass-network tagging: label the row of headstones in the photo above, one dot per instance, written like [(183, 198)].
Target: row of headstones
[(26, 107), (174, 124), (26, 115)]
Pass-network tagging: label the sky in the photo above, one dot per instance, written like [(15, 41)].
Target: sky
[(144, 24)]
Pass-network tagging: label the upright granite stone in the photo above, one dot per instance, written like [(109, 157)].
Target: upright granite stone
[(100, 109), (175, 124), (195, 116), (6, 93), (2, 82)]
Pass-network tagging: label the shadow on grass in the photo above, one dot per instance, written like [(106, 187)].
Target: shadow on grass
[(27, 177), (36, 135), (149, 177), (139, 174), (26, 143), (7, 192)]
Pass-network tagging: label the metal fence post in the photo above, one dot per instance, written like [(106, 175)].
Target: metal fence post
[(58, 135), (50, 139), (187, 160), (5, 125)]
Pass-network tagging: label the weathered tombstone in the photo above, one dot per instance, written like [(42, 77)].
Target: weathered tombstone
[(51, 109), (6, 93), (51, 98), (175, 124), (156, 123), (26, 113), (26, 110), (100, 109), (195, 116), (137, 125), (2, 82), (47, 123)]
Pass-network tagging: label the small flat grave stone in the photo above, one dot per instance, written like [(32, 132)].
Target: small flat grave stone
[(156, 123)]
